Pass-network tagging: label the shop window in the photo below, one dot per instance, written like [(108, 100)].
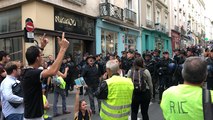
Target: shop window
[(13, 46), (10, 20), (159, 43), (130, 42), (109, 42)]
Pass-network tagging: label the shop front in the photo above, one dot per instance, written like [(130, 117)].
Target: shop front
[(80, 30), (153, 39), (114, 38), (176, 40)]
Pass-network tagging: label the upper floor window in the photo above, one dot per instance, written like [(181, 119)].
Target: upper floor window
[(166, 22), (148, 12), (158, 16), (10, 20), (129, 4)]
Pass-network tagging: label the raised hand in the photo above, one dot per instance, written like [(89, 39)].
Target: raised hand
[(43, 41), (63, 43)]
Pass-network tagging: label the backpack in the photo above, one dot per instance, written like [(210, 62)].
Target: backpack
[(139, 80)]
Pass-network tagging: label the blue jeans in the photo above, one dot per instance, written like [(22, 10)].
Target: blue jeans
[(57, 92), (15, 117)]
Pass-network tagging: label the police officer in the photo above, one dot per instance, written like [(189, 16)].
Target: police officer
[(181, 60), (123, 59), (129, 61), (165, 77), (209, 79), (151, 65)]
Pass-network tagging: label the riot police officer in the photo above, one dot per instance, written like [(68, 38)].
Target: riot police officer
[(150, 65), (129, 61), (164, 73), (209, 79)]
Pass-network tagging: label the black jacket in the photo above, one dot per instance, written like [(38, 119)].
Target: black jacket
[(91, 74)]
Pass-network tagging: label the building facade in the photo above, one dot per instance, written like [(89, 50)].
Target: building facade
[(196, 21), (155, 22), (117, 27), (77, 18)]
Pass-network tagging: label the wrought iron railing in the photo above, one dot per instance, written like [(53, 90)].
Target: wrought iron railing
[(130, 15), (149, 23), (161, 28), (107, 9), (177, 28), (183, 31)]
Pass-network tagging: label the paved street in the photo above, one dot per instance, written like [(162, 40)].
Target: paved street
[(154, 110)]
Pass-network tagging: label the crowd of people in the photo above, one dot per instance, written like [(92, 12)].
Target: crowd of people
[(120, 84)]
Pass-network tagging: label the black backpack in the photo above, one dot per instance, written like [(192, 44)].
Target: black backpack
[(139, 80), (17, 90)]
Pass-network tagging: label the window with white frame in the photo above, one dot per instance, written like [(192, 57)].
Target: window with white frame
[(166, 21), (158, 15), (109, 41), (175, 20), (165, 1), (130, 42), (148, 11), (129, 4)]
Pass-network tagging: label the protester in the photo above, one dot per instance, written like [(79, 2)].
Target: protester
[(32, 76), (81, 112), (46, 103), (184, 102), (12, 105), (116, 93), (59, 89), (143, 89), (91, 75)]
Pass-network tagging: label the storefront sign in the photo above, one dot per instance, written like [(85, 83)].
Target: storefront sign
[(74, 23), (67, 21)]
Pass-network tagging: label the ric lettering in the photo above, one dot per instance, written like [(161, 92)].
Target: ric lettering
[(177, 107)]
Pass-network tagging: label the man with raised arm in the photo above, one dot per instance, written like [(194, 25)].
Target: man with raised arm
[(32, 76)]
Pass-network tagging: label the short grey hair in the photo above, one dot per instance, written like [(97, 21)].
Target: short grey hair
[(113, 66), (194, 70)]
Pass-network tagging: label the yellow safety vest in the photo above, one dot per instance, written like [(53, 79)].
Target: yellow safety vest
[(63, 83), (45, 116), (118, 103)]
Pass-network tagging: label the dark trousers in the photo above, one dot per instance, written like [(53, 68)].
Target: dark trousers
[(209, 83), (67, 88), (141, 99), (164, 83)]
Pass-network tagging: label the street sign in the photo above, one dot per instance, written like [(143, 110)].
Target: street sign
[(206, 39), (29, 27)]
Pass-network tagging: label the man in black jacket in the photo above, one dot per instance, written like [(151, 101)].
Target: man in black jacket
[(91, 75)]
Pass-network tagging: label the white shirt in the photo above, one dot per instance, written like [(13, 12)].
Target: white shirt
[(7, 95)]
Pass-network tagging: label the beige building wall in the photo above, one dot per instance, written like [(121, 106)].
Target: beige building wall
[(91, 8), (42, 15), (6, 3)]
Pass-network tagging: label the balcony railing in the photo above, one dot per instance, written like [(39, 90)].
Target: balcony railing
[(78, 2), (177, 28), (110, 10), (149, 23), (130, 15), (183, 31), (160, 27)]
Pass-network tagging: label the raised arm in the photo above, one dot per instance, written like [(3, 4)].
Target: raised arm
[(64, 44), (76, 109), (63, 75)]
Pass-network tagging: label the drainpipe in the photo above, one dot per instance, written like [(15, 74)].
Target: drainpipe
[(139, 23)]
